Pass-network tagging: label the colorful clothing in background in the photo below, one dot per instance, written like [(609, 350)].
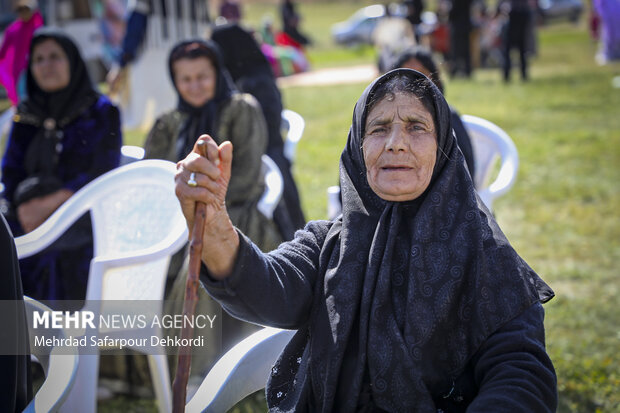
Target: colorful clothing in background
[(609, 12), (14, 53)]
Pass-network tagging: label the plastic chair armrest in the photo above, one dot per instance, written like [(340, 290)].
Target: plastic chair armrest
[(242, 370)]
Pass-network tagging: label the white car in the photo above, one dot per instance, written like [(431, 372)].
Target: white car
[(358, 28)]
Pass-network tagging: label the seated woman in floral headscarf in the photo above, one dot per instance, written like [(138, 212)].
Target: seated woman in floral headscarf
[(412, 300)]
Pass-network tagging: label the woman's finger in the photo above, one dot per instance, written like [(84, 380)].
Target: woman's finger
[(199, 165), (225, 156), (206, 146)]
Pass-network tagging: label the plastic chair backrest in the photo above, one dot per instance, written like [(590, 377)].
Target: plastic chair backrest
[(274, 186), (489, 141), (243, 370), (274, 183), (294, 125), (131, 153), (137, 226), (59, 369), (133, 209)]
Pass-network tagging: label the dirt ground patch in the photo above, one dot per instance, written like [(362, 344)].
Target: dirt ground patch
[(331, 76)]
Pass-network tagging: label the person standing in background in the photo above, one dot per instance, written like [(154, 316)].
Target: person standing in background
[(414, 14), (290, 23), (519, 21), (231, 11), (460, 28), (14, 49)]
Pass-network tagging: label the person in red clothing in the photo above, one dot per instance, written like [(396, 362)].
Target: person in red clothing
[(14, 49)]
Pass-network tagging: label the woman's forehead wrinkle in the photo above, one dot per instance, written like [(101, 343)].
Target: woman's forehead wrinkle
[(408, 113), (380, 116)]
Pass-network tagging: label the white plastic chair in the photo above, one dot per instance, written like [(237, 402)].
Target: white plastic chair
[(131, 153), (137, 226), (293, 124), (489, 141), (243, 370), (59, 369), (274, 183)]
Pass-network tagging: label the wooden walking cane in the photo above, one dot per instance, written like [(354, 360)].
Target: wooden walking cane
[(179, 386)]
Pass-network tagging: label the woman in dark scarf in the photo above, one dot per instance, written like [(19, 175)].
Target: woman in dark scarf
[(411, 300), (252, 74), (64, 135), (210, 104)]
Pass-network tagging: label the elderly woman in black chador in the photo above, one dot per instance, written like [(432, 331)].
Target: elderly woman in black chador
[(411, 300)]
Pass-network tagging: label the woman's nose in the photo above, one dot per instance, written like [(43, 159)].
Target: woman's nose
[(397, 140)]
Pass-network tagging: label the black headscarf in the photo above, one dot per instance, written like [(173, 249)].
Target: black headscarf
[(410, 290), (201, 119), (52, 111), (242, 54)]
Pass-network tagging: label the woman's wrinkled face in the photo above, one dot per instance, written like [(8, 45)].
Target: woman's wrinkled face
[(400, 147), (50, 66), (195, 80)]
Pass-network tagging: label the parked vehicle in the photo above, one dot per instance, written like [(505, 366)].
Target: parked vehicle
[(559, 9), (358, 29)]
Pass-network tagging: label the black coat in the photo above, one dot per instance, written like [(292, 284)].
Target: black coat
[(14, 367)]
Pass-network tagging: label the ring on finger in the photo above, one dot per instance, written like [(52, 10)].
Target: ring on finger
[(192, 180)]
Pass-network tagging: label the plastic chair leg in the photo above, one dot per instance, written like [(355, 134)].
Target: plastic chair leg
[(158, 364), (83, 395)]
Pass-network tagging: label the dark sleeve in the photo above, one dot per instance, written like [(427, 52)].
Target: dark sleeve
[(107, 146), (512, 369), (245, 127), (272, 289), (13, 171)]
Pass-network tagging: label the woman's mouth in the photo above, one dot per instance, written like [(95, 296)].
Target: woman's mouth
[(396, 168)]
